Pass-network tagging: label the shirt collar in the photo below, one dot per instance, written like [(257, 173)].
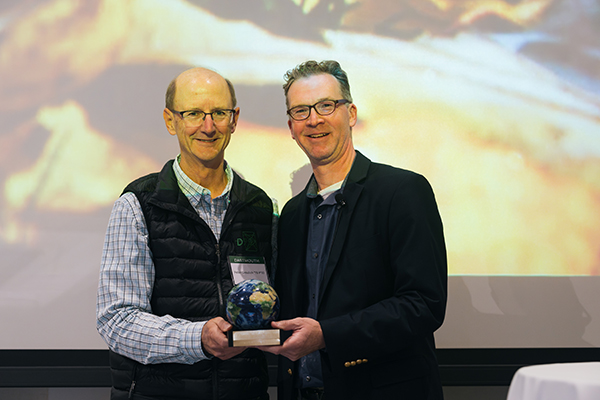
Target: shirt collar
[(192, 189), (313, 188)]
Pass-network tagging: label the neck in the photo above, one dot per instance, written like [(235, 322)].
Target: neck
[(212, 178), (328, 174)]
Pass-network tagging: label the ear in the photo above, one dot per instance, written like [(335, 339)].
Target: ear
[(353, 118), (290, 127), (236, 115), (169, 121)]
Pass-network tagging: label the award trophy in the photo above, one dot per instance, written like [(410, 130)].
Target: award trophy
[(251, 306)]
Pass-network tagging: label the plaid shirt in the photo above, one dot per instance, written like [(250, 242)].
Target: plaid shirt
[(211, 211), (123, 311)]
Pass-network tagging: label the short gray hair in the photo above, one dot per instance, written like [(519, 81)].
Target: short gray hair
[(310, 68)]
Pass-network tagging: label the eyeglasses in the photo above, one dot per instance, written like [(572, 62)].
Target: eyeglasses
[(325, 107), (196, 117)]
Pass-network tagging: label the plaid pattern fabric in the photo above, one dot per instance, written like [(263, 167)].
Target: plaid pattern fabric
[(211, 210), (124, 314)]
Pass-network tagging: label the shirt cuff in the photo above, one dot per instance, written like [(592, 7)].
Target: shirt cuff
[(192, 342)]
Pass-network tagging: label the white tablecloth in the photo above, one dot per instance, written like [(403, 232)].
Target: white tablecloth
[(570, 381)]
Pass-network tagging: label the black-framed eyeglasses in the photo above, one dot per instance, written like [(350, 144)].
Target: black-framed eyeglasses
[(196, 117), (323, 107)]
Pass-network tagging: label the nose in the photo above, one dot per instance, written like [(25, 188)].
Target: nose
[(208, 124), (313, 118)]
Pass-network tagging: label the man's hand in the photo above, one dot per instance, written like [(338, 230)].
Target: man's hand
[(306, 338), (214, 339)]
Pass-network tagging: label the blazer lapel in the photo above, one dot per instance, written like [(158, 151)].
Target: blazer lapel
[(351, 194)]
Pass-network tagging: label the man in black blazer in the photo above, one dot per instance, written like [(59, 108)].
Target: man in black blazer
[(362, 273)]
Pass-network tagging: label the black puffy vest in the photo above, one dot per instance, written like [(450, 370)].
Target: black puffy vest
[(191, 282)]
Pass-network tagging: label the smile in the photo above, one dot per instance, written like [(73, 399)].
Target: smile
[(207, 140), (318, 135)]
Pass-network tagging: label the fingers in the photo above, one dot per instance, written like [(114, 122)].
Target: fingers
[(306, 337), (214, 339), (222, 324), (286, 325)]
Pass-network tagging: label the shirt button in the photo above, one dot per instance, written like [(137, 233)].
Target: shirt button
[(319, 216), (308, 379)]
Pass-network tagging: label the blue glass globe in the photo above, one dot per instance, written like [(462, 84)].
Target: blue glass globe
[(252, 304)]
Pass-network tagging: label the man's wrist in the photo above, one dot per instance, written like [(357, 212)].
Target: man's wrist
[(192, 345)]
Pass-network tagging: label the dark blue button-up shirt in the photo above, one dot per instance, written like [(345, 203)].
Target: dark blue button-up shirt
[(323, 217)]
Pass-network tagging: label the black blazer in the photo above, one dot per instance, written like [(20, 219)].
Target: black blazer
[(384, 287)]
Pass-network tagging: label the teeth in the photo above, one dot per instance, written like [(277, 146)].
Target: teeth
[(318, 136)]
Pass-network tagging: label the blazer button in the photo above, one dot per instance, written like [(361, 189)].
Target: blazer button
[(353, 363), (358, 362), (347, 364), (290, 371), (364, 360)]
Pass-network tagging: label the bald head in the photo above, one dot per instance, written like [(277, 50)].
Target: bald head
[(198, 77)]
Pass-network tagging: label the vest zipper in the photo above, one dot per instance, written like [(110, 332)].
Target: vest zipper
[(215, 378), (215, 361), (219, 285), (132, 387)]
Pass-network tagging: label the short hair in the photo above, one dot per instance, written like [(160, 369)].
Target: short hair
[(231, 93), (170, 95), (310, 68), (171, 89)]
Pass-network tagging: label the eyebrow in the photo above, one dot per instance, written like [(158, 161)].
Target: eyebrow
[(213, 109), (318, 101)]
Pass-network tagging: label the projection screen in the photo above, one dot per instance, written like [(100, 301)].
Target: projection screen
[(496, 102)]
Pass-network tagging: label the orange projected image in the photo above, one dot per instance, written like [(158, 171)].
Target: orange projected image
[(496, 102)]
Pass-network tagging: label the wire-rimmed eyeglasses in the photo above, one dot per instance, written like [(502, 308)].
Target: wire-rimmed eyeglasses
[(196, 117)]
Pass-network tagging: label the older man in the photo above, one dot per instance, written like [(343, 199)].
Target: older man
[(165, 272)]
